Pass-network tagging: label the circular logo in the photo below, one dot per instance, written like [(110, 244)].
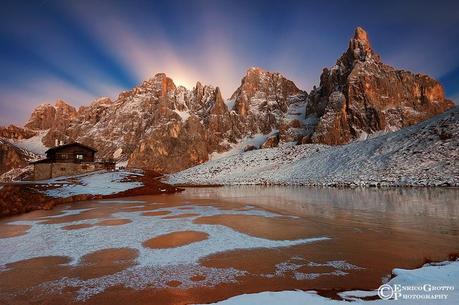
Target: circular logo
[(385, 292)]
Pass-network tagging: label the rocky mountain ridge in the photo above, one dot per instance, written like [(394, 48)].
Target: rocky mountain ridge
[(163, 127)]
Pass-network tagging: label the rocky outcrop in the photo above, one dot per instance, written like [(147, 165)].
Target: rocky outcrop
[(263, 91), (272, 141), (264, 100), (361, 95), (178, 145), (85, 117), (47, 116), (12, 157), (17, 133)]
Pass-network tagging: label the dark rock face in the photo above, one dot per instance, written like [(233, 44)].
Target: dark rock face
[(179, 145), (361, 95)]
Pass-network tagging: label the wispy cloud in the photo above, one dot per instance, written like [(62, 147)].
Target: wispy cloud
[(16, 104), (147, 53), (80, 50)]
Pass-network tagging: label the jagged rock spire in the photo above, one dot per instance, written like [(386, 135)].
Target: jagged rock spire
[(360, 47), (219, 106), (258, 85)]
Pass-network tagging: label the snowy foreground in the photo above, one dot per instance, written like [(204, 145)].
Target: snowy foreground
[(430, 284), (426, 154)]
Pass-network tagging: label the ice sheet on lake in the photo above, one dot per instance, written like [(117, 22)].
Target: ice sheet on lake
[(77, 243), (154, 266)]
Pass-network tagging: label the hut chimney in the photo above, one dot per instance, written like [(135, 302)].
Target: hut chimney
[(56, 142), (61, 142)]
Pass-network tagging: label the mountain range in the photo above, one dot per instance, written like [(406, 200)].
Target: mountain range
[(167, 128)]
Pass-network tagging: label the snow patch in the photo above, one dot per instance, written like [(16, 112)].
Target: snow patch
[(445, 274), (33, 144), (255, 140), (184, 115), (117, 153), (99, 183)]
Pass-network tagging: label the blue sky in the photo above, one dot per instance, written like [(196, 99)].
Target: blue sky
[(80, 50)]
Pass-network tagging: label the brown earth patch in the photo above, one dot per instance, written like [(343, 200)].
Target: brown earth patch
[(175, 239), (181, 216), (11, 230), (103, 223), (157, 213), (142, 208)]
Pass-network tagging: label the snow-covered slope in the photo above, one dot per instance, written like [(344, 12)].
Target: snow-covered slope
[(423, 154), (33, 144)]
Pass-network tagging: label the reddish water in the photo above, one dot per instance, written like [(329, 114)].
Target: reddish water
[(208, 244)]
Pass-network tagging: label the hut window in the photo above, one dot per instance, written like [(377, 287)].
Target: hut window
[(79, 157), (61, 156)]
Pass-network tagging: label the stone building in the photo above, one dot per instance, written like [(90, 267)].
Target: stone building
[(69, 160)]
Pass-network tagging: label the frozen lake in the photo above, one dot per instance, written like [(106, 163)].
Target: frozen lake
[(208, 244)]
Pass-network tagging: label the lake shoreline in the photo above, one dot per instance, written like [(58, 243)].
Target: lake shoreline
[(23, 197)]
